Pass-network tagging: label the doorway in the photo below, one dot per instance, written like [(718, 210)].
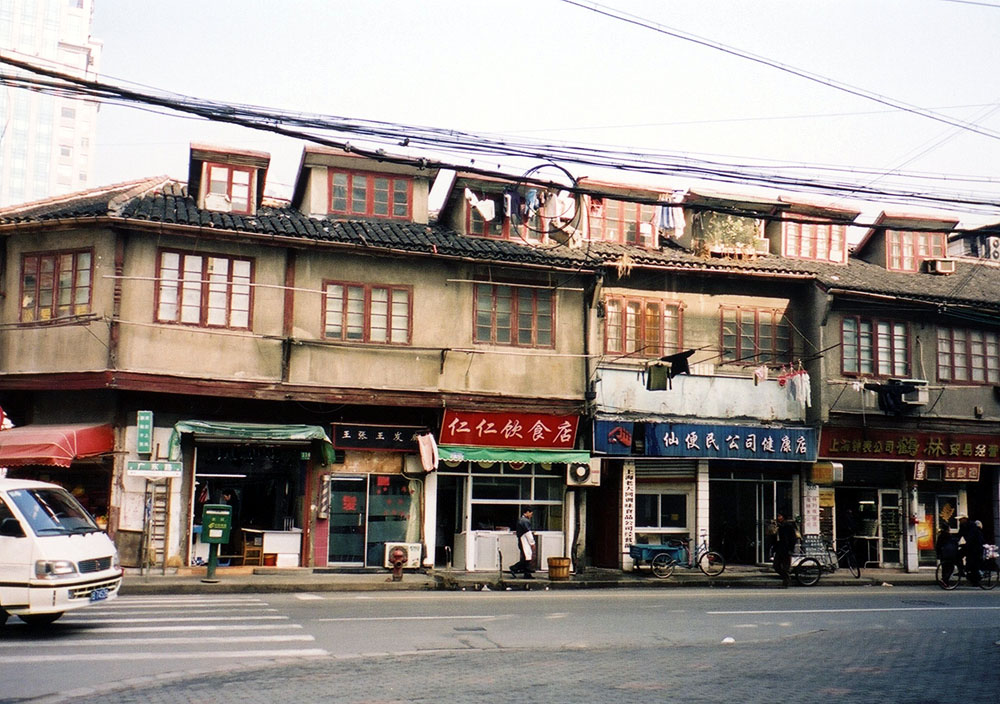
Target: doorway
[(741, 511), (369, 511)]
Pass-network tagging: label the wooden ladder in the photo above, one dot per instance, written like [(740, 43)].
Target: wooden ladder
[(157, 529)]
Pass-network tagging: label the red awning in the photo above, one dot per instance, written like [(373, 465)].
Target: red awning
[(56, 445)]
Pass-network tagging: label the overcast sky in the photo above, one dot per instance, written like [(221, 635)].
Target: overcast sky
[(548, 69)]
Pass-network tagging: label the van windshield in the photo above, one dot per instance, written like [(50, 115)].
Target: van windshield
[(52, 511)]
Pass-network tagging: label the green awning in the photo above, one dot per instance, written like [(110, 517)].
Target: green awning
[(463, 453), (261, 432)]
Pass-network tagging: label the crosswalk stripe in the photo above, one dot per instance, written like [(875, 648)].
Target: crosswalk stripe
[(183, 619), (191, 655), (197, 627)]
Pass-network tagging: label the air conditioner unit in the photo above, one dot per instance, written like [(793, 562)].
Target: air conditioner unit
[(584, 473), (414, 551), (941, 266), (992, 248), (919, 396)]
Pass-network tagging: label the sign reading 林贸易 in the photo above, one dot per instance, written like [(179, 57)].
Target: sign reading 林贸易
[(509, 429), (365, 436), (867, 443)]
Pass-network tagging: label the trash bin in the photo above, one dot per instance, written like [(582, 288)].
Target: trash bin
[(559, 568)]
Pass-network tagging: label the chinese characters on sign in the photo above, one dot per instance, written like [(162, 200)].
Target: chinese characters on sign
[(628, 506), (890, 445), (353, 436), (961, 472), (753, 442), (523, 430)]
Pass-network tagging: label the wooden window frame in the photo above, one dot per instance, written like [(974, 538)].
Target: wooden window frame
[(986, 360), (353, 179), (366, 313), (74, 286), (475, 225), (519, 296), (922, 246), (796, 235), (868, 345), (231, 169), (778, 319), (621, 213), (205, 288), (616, 327)]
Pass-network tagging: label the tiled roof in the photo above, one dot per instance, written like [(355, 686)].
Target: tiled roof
[(166, 201)]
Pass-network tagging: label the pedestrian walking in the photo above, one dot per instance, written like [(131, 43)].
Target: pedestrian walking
[(525, 544), (785, 540), (946, 547), (971, 541)]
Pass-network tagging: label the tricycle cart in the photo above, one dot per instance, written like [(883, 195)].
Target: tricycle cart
[(664, 557)]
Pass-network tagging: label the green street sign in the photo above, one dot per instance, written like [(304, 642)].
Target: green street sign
[(153, 469), (144, 432)]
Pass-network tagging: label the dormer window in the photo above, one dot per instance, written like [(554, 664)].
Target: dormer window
[(825, 242), (232, 185), (621, 221), (370, 195), (905, 250)]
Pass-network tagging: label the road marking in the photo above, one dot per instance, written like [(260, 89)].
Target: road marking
[(193, 655), (854, 611), (308, 597), (411, 618), (168, 640), (160, 610), (182, 619), (195, 627)]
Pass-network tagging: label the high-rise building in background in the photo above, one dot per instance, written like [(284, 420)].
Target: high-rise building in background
[(46, 142)]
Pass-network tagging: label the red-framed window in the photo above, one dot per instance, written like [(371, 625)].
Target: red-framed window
[(56, 284), (872, 347), (645, 327), (621, 221), (826, 242), (906, 250), (518, 316), (206, 290), (370, 195), (476, 224), (968, 356), (235, 183), (374, 313), (755, 336)]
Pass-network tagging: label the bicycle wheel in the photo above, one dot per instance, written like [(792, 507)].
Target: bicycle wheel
[(852, 564), (953, 579), (712, 564), (807, 572), (988, 578), (663, 565)]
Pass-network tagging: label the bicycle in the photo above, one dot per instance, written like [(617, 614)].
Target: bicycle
[(989, 575), (819, 556), (676, 552)]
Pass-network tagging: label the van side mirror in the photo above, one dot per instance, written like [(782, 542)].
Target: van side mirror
[(11, 528)]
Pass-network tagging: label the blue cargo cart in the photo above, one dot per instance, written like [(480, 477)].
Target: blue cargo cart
[(663, 558)]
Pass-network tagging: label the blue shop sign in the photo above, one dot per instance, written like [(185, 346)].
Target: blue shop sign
[(612, 437), (742, 442)]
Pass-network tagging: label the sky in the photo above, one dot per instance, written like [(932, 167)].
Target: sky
[(560, 71)]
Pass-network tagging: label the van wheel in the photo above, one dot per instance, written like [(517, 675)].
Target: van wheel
[(39, 619)]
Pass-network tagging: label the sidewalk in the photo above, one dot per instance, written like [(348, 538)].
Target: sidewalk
[(277, 579)]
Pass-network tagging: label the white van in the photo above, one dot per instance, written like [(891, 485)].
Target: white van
[(53, 557)]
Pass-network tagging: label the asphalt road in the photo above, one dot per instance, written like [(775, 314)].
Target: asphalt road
[(866, 644)]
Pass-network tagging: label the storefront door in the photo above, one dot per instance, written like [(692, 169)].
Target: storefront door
[(347, 521), (891, 527), (741, 512)]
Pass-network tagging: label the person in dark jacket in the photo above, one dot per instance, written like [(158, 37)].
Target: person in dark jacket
[(946, 547), (972, 549), (525, 544), (784, 544)]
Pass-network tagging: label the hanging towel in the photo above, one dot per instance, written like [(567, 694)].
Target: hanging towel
[(428, 452)]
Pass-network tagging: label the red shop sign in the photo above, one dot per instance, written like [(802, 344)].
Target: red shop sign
[(523, 430)]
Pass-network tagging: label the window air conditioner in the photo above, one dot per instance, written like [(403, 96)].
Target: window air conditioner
[(992, 248), (584, 473), (413, 551), (919, 396), (941, 266)]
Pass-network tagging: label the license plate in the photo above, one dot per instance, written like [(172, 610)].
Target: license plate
[(99, 594)]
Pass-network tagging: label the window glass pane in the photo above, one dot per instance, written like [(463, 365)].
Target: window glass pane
[(633, 319), (381, 197), (378, 319), (218, 180), (334, 311), (401, 199), (504, 304), (543, 318), (338, 198), (218, 277), (613, 325), (647, 510), (849, 334), (355, 313), (508, 487), (484, 313), (673, 510), (400, 333), (866, 348), (191, 289), (651, 333), (359, 195)]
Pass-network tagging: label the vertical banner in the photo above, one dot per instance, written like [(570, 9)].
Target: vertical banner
[(628, 511)]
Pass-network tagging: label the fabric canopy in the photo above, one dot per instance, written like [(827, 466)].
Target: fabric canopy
[(54, 445), (259, 432), (461, 453)]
